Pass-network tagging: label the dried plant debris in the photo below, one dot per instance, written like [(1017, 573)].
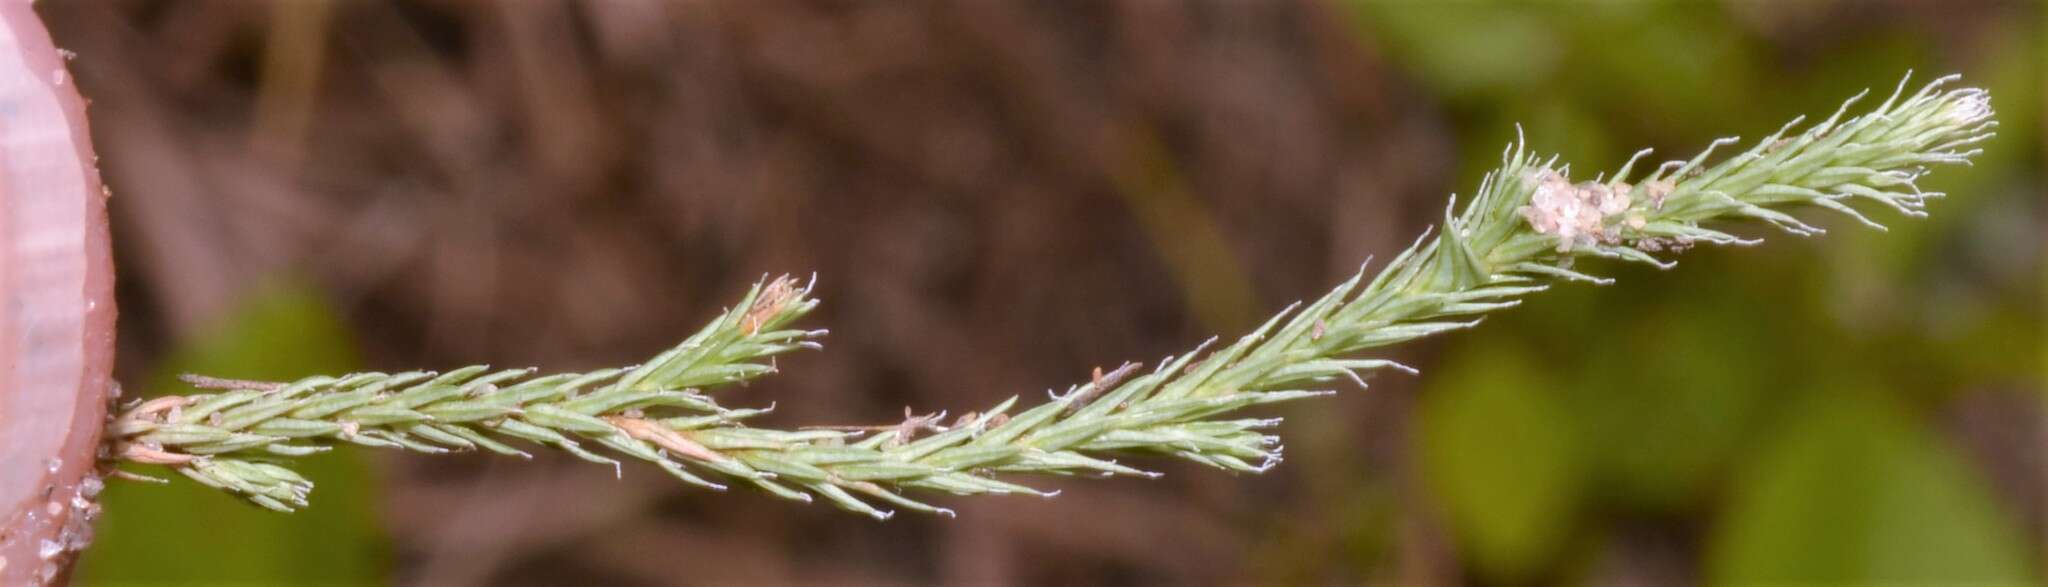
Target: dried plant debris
[(1519, 234)]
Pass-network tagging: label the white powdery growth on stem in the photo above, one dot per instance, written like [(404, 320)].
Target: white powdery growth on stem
[(1520, 233), (1576, 214)]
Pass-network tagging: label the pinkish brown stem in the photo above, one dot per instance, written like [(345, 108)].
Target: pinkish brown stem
[(56, 307)]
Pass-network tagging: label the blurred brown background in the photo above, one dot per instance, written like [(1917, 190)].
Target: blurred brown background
[(998, 196)]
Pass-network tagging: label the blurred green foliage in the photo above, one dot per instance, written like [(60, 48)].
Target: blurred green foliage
[(281, 331), (1862, 494), (1500, 456)]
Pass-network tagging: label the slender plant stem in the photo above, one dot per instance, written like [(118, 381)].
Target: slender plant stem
[(1521, 232)]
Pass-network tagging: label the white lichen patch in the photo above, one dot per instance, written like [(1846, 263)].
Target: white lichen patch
[(1577, 214)]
